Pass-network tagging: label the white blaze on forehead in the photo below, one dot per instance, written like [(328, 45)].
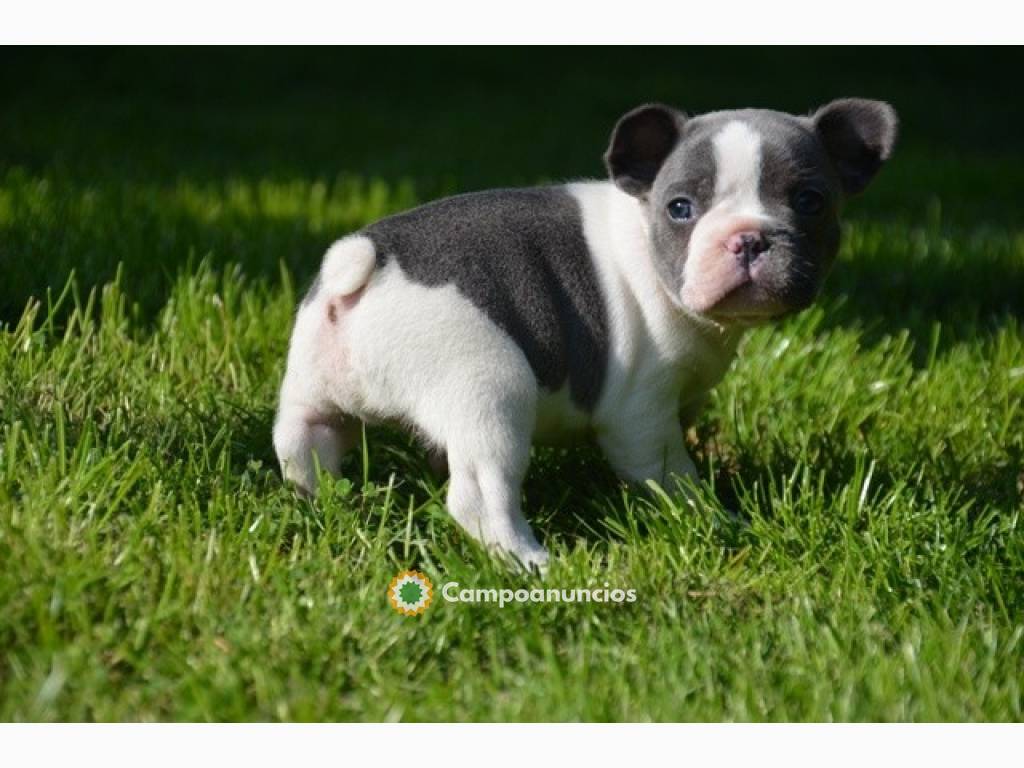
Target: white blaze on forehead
[(737, 150)]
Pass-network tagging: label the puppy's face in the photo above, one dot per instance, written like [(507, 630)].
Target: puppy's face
[(743, 206)]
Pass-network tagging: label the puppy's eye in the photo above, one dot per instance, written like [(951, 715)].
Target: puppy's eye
[(680, 209), (809, 202)]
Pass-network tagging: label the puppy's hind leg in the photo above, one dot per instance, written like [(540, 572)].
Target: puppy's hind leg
[(484, 499), (304, 438), (488, 454), (310, 426)]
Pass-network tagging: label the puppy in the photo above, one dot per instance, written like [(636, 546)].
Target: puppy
[(489, 320)]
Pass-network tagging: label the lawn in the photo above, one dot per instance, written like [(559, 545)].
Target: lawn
[(859, 555)]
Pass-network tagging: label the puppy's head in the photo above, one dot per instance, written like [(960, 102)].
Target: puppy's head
[(743, 206)]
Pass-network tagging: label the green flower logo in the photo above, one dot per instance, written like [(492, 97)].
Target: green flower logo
[(410, 592)]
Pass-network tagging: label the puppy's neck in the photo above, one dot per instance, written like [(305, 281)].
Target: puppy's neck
[(618, 236)]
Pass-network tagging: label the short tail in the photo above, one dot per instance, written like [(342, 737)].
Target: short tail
[(347, 266)]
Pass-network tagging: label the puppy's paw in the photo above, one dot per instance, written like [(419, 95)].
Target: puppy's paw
[(532, 558)]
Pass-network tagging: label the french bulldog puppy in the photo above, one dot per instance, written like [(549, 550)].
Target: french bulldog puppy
[(489, 320)]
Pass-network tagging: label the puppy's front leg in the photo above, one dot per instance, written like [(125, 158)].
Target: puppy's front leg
[(648, 448)]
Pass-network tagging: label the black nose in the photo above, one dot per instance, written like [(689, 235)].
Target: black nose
[(748, 246)]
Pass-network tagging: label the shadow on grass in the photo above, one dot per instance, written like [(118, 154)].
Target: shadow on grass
[(903, 277), (572, 495), (105, 134)]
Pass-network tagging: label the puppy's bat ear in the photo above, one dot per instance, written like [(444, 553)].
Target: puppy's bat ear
[(641, 141), (859, 136)]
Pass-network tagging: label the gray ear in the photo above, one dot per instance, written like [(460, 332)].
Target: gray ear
[(859, 135), (641, 141)]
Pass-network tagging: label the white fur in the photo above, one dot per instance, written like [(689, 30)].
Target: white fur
[(426, 356), (737, 150), (659, 357)]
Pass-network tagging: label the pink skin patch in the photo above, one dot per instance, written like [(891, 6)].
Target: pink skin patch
[(721, 282), (331, 340), (340, 304), (714, 270)]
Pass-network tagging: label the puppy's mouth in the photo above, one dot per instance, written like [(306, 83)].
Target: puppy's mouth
[(743, 271), (747, 303), (733, 296)]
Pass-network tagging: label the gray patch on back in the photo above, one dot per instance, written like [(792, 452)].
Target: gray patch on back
[(520, 255)]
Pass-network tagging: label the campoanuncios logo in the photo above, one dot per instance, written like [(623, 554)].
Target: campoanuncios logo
[(410, 593)]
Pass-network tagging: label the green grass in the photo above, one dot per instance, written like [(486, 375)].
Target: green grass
[(859, 555)]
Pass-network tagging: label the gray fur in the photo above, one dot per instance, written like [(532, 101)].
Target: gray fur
[(521, 257), (859, 136), (793, 158)]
